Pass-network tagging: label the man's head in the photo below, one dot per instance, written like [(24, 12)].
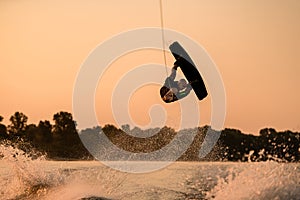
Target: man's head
[(182, 84), (168, 95)]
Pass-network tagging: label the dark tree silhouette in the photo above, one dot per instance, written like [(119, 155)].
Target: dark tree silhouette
[(125, 128), (31, 133), (45, 131), (40, 136), (18, 126), (66, 141), (64, 123), (3, 130), (61, 140)]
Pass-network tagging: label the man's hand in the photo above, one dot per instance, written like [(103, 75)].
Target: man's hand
[(175, 66)]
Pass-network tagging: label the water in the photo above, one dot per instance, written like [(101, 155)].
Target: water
[(24, 178)]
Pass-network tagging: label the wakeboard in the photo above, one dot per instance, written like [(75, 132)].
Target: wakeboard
[(189, 70)]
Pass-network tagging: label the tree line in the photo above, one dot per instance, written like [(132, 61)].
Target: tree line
[(62, 141), (57, 141)]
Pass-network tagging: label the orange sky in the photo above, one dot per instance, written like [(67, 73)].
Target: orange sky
[(255, 45)]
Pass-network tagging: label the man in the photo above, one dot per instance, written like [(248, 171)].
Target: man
[(174, 90)]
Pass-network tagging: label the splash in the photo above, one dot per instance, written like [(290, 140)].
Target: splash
[(264, 180), (24, 177), (88, 180)]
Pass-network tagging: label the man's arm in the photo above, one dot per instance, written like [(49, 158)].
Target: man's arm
[(174, 69), (185, 92)]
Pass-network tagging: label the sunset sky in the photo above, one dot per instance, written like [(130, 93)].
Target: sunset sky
[(255, 45)]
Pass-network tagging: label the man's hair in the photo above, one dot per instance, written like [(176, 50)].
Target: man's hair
[(163, 91)]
